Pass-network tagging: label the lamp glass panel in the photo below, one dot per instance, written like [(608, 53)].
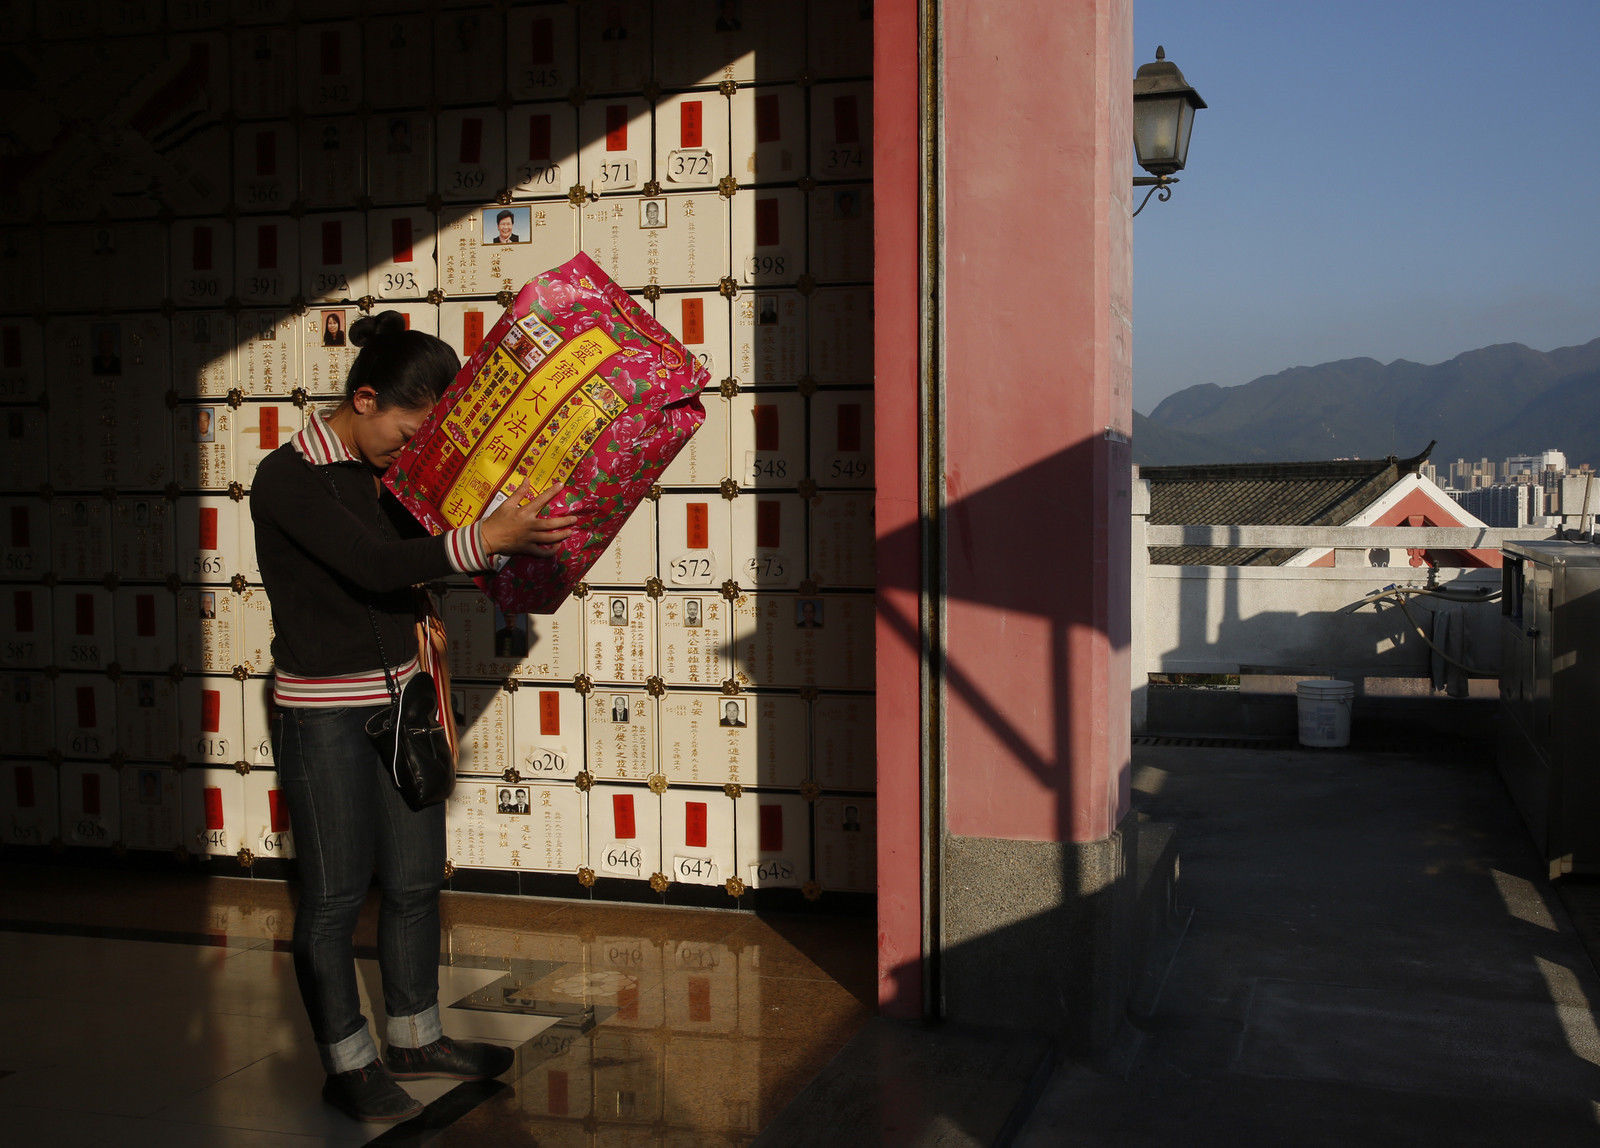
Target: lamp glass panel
[(1155, 129), (1185, 126)]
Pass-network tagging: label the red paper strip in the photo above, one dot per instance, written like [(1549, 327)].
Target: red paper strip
[(628, 1001), (694, 321), (771, 829), (767, 221), (22, 611), (211, 711), (471, 332), (694, 824), (616, 127), (622, 815), (400, 238), (144, 615), (207, 520), (269, 428), (332, 63), (769, 523), (539, 137), (849, 427), (846, 120), (332, 243), (555, 1087), (768, 125), (84, 696), (266, 153), (24, 783), (267, 247), (697, 529), (83, 607), (689, 124), (549, 713), (213, 808), (20, 532), (542, 41), (277, 811), (201, 252), (766, 417), (91, 794), (471, 140), (700, 999)]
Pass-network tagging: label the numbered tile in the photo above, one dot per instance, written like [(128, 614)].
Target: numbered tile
[(267, 260), (333, 265), (151, 808), (29, 813), (25, 555), (704, 459), (147, 719), (696, 541), (330, 67), (708, 41), (621, 636), (255, 628), (80, 537), (27, 714), (333, 161), (768, 437), (768, 135), (263, 71), (840, 249), (499, 248), (86, 716), (795, 641), (23, 459), (398, 61), (326, 352), (697, 838), (614, 49), (472, 152), (211, 720), (631, 557), (630, 977), (841, 335), (399, 157), (667, 241), (22, 261), (141, 538), (400, 244), (258, 710), (843, 540), (85, 635), (462, 325), (203, 435), (417, 316), (106, 266), (146, 628), (91, 814), (21, 360), (694, 639), (259, 429), (267, 359), (202, 264), (841, 438), (769, 535), (208, 532), (774, 840), (615, 155), (203, 352), (208, 630), (494, 824), (691, 140), (202, 163), (841, 131), (839, 38), (700, 322), (541, 48), (266, 162), (769, 233), (621, 733), (624, 831), (469, 56), (267, 830), (486, 643), (542, 150), (750, 739), (25, 628), (483, 728), (847, 843), (548, 724), (212, 801)]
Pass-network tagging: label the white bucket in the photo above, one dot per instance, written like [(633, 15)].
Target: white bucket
[(1324, 712)]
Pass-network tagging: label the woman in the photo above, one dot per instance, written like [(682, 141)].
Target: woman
[(333, 329), (332, 544)]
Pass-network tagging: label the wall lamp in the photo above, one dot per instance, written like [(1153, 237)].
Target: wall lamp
[(1163, 115)]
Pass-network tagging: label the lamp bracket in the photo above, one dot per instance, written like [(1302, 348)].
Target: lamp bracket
[(1159, 185)]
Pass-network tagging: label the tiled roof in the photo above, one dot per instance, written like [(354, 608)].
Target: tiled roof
[(1264, 494)]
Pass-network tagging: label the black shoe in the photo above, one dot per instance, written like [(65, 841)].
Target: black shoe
[(452, 1059), (369, 1093)]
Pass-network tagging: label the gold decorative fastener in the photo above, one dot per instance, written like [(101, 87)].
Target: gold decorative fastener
[(651, 189), (117, 759), (806, 488), (811, 890), (807, 385), (583, 683), (734, 886), (808, 588), (728, 87), (654, 493), (53, 757), (581, 590), (576, 96), (298, 305), (449, 868), (808, 693), (172, 400), (178, 762), (236, 398), (236, 491), (727, 287), (577, 195), (654, 587), (434, 203), (238, 584), (652, 291), (806, 184), (584, 781), (436, 297), (657, 783), (366, 302), (507, 297), (810, 790), (503, 199), (246, 858), (176, 671), (659, 882), (511, 776), (727, 187), (805, 284), (654, 686), (730, 488), (232, 305), (731, 688), (239, 673), (731, 591), (728, 387), (174, 584), (734, 790), (586, 877), (114, 671), (241, 767), (299, 397), (110, 581), (510, 685), (652, 90)]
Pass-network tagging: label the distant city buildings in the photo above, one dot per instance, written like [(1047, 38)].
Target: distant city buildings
[(1524, 490)]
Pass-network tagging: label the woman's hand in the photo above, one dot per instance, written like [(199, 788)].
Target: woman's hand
[(517, 528)]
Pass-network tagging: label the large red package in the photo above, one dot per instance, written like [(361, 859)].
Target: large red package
[(576, 385)]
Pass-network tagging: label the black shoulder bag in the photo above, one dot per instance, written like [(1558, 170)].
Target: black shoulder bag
[(408, 734)]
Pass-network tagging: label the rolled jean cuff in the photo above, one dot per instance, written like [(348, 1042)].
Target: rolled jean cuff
[(355, 1051), (415, 1030)]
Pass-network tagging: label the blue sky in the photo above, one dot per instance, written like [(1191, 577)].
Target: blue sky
[(1400, 180)]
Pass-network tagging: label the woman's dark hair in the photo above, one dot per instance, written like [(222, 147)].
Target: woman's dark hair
[(406, 368)]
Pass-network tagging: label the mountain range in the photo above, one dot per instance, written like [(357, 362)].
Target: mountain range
[(1490, 403)]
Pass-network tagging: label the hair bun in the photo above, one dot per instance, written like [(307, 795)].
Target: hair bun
[(369, 327)]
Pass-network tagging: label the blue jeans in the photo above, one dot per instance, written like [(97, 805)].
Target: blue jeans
[(347, 817)]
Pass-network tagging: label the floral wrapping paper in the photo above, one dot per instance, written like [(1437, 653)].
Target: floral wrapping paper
[(576, 385)]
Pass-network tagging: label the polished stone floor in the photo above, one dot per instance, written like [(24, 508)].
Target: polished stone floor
[(161, 1009)]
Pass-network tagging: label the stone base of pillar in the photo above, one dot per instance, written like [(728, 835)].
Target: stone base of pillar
[(1060, 937)]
